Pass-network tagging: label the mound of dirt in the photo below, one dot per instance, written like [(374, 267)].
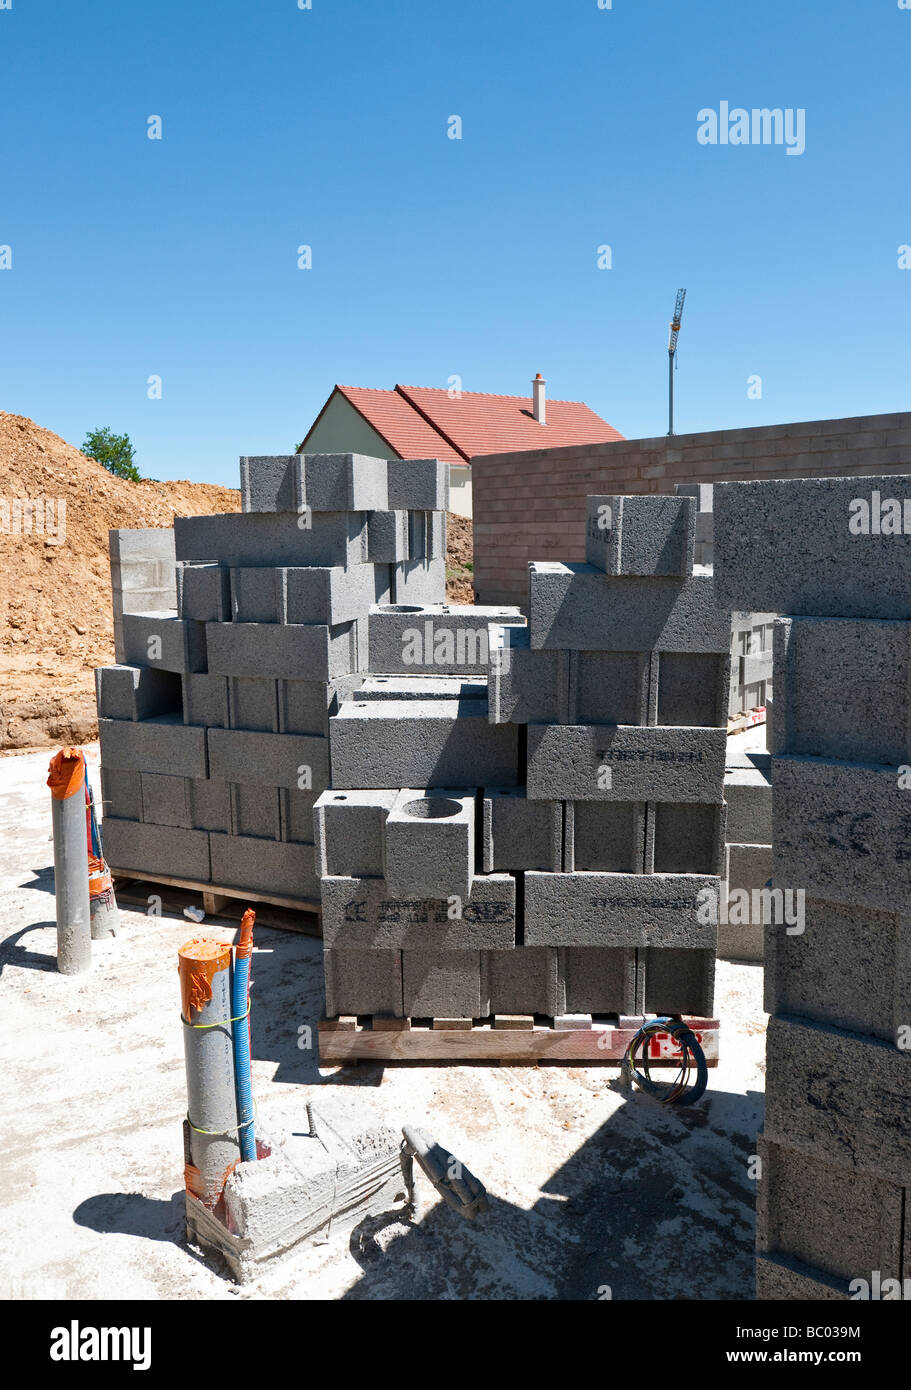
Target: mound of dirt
[(56, 623)]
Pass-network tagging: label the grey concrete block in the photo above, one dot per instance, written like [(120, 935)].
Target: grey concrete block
[(363, 982), (429, 844), (327, 595), (746, 867), (579, 607), (418, 581), (525, 686), (205, 700), (210, 804), (164, 642), (839, 1097), (603, 836), (238, 539), (255, 811), (121, 794), (841, 831), (136, 692), (419, 484), (844, 689), (156, 745), (849, 968), (748, 795), (598, 980), (832, 1219), (253, 703), (302, 652), (692, 688), (204, 593), (677, 981), (700, 492), (435, 639), (257, 594), (348, 829), (524, 981), (520, 834), (342, 482), (305, 707), (640, 535), (387, 537), (296, 814), (603, 762), (156, 849), (272, 760), (361, 914), (443, 984), (597, 909), (685, 838), (426, 743), (141, 543), (606, 688), (798, 546), (164, 800), (779, 1279), (264, 866), (268, 484), (422, 688)]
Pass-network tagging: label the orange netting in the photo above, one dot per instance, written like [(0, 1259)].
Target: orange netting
[(66, 773), (198, 961)]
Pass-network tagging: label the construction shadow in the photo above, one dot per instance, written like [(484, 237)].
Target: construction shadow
[(658, 1204), (12, 952), (132, 1214)]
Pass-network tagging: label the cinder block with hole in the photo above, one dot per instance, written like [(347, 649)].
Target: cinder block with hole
[(136, 692), (348, 828), (429, 843), (435, 639)]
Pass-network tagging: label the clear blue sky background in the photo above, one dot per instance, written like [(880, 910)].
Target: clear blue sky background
[(434, 257)]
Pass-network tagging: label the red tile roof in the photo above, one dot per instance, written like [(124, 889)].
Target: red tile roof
[(425, 422)]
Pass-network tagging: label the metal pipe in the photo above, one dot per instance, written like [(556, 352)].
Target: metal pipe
[(240, 997), (205, 988), (66, 779)]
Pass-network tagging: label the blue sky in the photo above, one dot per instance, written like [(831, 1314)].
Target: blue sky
[(435, 257)]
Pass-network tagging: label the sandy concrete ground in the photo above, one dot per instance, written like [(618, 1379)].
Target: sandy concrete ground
[(588, 1188)]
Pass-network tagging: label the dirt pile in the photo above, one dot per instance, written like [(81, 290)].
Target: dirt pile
[(56, 624), (55, 583)]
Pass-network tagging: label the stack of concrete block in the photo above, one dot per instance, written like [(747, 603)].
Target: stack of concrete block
[(143, 575), (751, 633), (215, 726), (556, 842), (748, 851), (836, 1181)]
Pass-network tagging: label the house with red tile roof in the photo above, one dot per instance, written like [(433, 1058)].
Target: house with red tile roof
[(432, 422)]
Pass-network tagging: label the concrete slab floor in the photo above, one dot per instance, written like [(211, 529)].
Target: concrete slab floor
[(589, 1189)]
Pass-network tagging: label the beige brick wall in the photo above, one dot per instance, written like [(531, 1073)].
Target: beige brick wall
[(531, 506)]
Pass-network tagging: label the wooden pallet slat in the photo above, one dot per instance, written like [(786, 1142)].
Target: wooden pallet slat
[(375, 1040), (293, 914)]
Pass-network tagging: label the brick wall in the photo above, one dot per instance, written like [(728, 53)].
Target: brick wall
[(531, 506)]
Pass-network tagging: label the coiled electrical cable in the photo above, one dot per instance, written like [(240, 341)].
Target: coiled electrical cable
[(692, 1058)]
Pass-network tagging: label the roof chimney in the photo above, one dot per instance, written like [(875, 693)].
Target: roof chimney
[(539, 404)]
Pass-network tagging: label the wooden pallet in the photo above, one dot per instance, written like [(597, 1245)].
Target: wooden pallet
[(748, 720), (504, 1039), (272, 910)]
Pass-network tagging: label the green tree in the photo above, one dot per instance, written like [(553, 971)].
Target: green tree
[(113, 451)]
